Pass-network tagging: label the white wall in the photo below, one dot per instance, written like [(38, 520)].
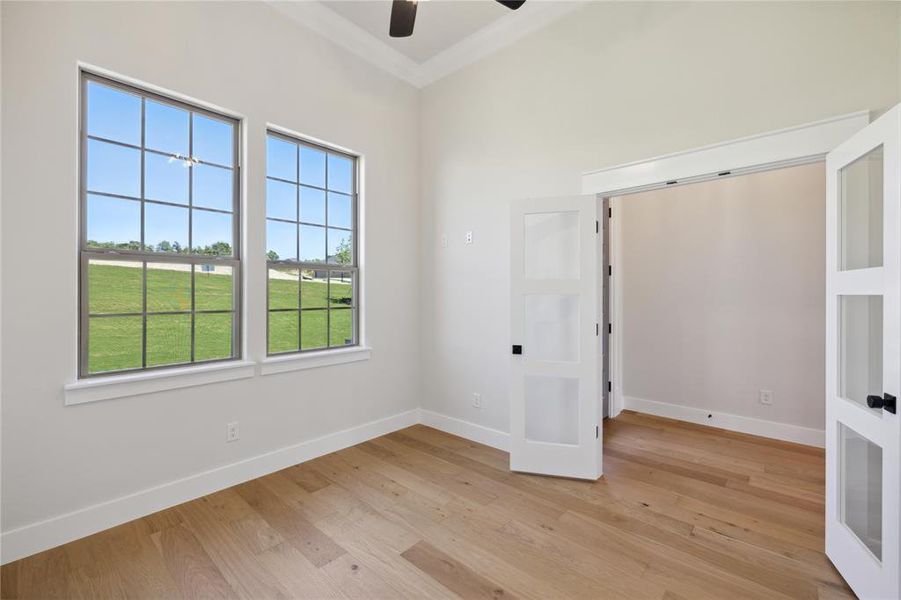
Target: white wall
[(612, 82), (248, 58), (723, 294)]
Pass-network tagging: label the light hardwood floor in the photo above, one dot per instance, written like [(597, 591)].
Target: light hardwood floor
[(683, 511)]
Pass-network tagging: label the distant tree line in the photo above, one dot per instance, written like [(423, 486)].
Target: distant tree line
[(342, 256), (215, 249)]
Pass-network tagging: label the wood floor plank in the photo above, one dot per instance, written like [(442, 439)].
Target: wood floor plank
[(453, 574), (683, 512)]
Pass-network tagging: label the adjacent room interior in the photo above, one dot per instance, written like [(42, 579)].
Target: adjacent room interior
[(450, 299)]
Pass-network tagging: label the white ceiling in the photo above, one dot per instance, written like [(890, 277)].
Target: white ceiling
[(439, 23), (449, 34)]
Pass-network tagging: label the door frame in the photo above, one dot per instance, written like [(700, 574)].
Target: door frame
[(798, 145)]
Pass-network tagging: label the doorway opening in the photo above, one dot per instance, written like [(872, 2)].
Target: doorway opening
[(713, 302)]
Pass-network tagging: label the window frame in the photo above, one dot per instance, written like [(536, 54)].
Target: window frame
[(86, 253), (354, 267)]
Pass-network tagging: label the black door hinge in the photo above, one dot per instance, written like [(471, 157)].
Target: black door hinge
[(610, 270), (609, 212), (609, 327), (597, 329), (609, 386), (597, 227), (597, 432)]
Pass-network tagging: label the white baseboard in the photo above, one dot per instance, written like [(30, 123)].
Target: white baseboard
[(465, 429), (770, 429), (43, 535)]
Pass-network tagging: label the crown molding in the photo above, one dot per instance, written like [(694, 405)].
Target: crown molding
[(504, 31)]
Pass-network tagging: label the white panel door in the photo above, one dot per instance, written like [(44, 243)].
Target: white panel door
[(555, 394), (863, 357)]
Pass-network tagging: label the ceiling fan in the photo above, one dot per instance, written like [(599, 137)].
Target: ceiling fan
[(403, 15)]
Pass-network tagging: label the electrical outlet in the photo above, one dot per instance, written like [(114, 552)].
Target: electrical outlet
[(766, 397), (231, 432), (444, 240), (477, 400), (468, 237)]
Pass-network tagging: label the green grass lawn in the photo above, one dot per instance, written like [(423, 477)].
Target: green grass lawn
[(114, 342)]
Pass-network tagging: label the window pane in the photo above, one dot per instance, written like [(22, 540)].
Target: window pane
[(313, 329), (340, 174), (281, 200), (312, 166), (113, 223), (213, 287), (281, 159), (115, 287), (339, 210), (168, 287), (168, 339), (212, 233), (165, 178), (314, 288), (213, 187), (114, 169), (114, 343), (860, 477), (312, 205), (165, 228), (283, 292), (312, 243), (341, 288), (281, 240), (113, 114), (166, 128), (213, 141), (340, 250), (212, 336), (341, 327), (283, 333)]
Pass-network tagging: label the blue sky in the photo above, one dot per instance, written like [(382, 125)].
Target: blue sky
[(170, 131)]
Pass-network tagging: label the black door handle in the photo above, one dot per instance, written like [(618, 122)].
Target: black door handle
[(886, 402)]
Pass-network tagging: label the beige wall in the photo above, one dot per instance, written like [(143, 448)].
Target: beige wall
[(610, 83), (723, 294)]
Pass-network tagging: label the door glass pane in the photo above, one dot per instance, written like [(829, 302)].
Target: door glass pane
[(551, 327), (552, 409), (861, 488), (860, 217), (860, 347), (551, 245)]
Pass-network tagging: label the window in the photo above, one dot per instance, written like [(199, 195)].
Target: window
[(159, 267), (311, 224)]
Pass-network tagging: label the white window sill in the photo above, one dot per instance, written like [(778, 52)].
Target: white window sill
[(313, 360), (134, 384)]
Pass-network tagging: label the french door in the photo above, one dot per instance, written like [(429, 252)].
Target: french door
[(863, 357), (555, 371)]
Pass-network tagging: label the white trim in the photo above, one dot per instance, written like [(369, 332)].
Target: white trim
[(531, 17), (36, 537), (147, 382), (491, 38), (466, 429), (313, 360), (770, 429), (784, 147)]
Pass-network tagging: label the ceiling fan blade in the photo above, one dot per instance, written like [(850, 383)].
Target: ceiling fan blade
[(403, 15), (512, 4)]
